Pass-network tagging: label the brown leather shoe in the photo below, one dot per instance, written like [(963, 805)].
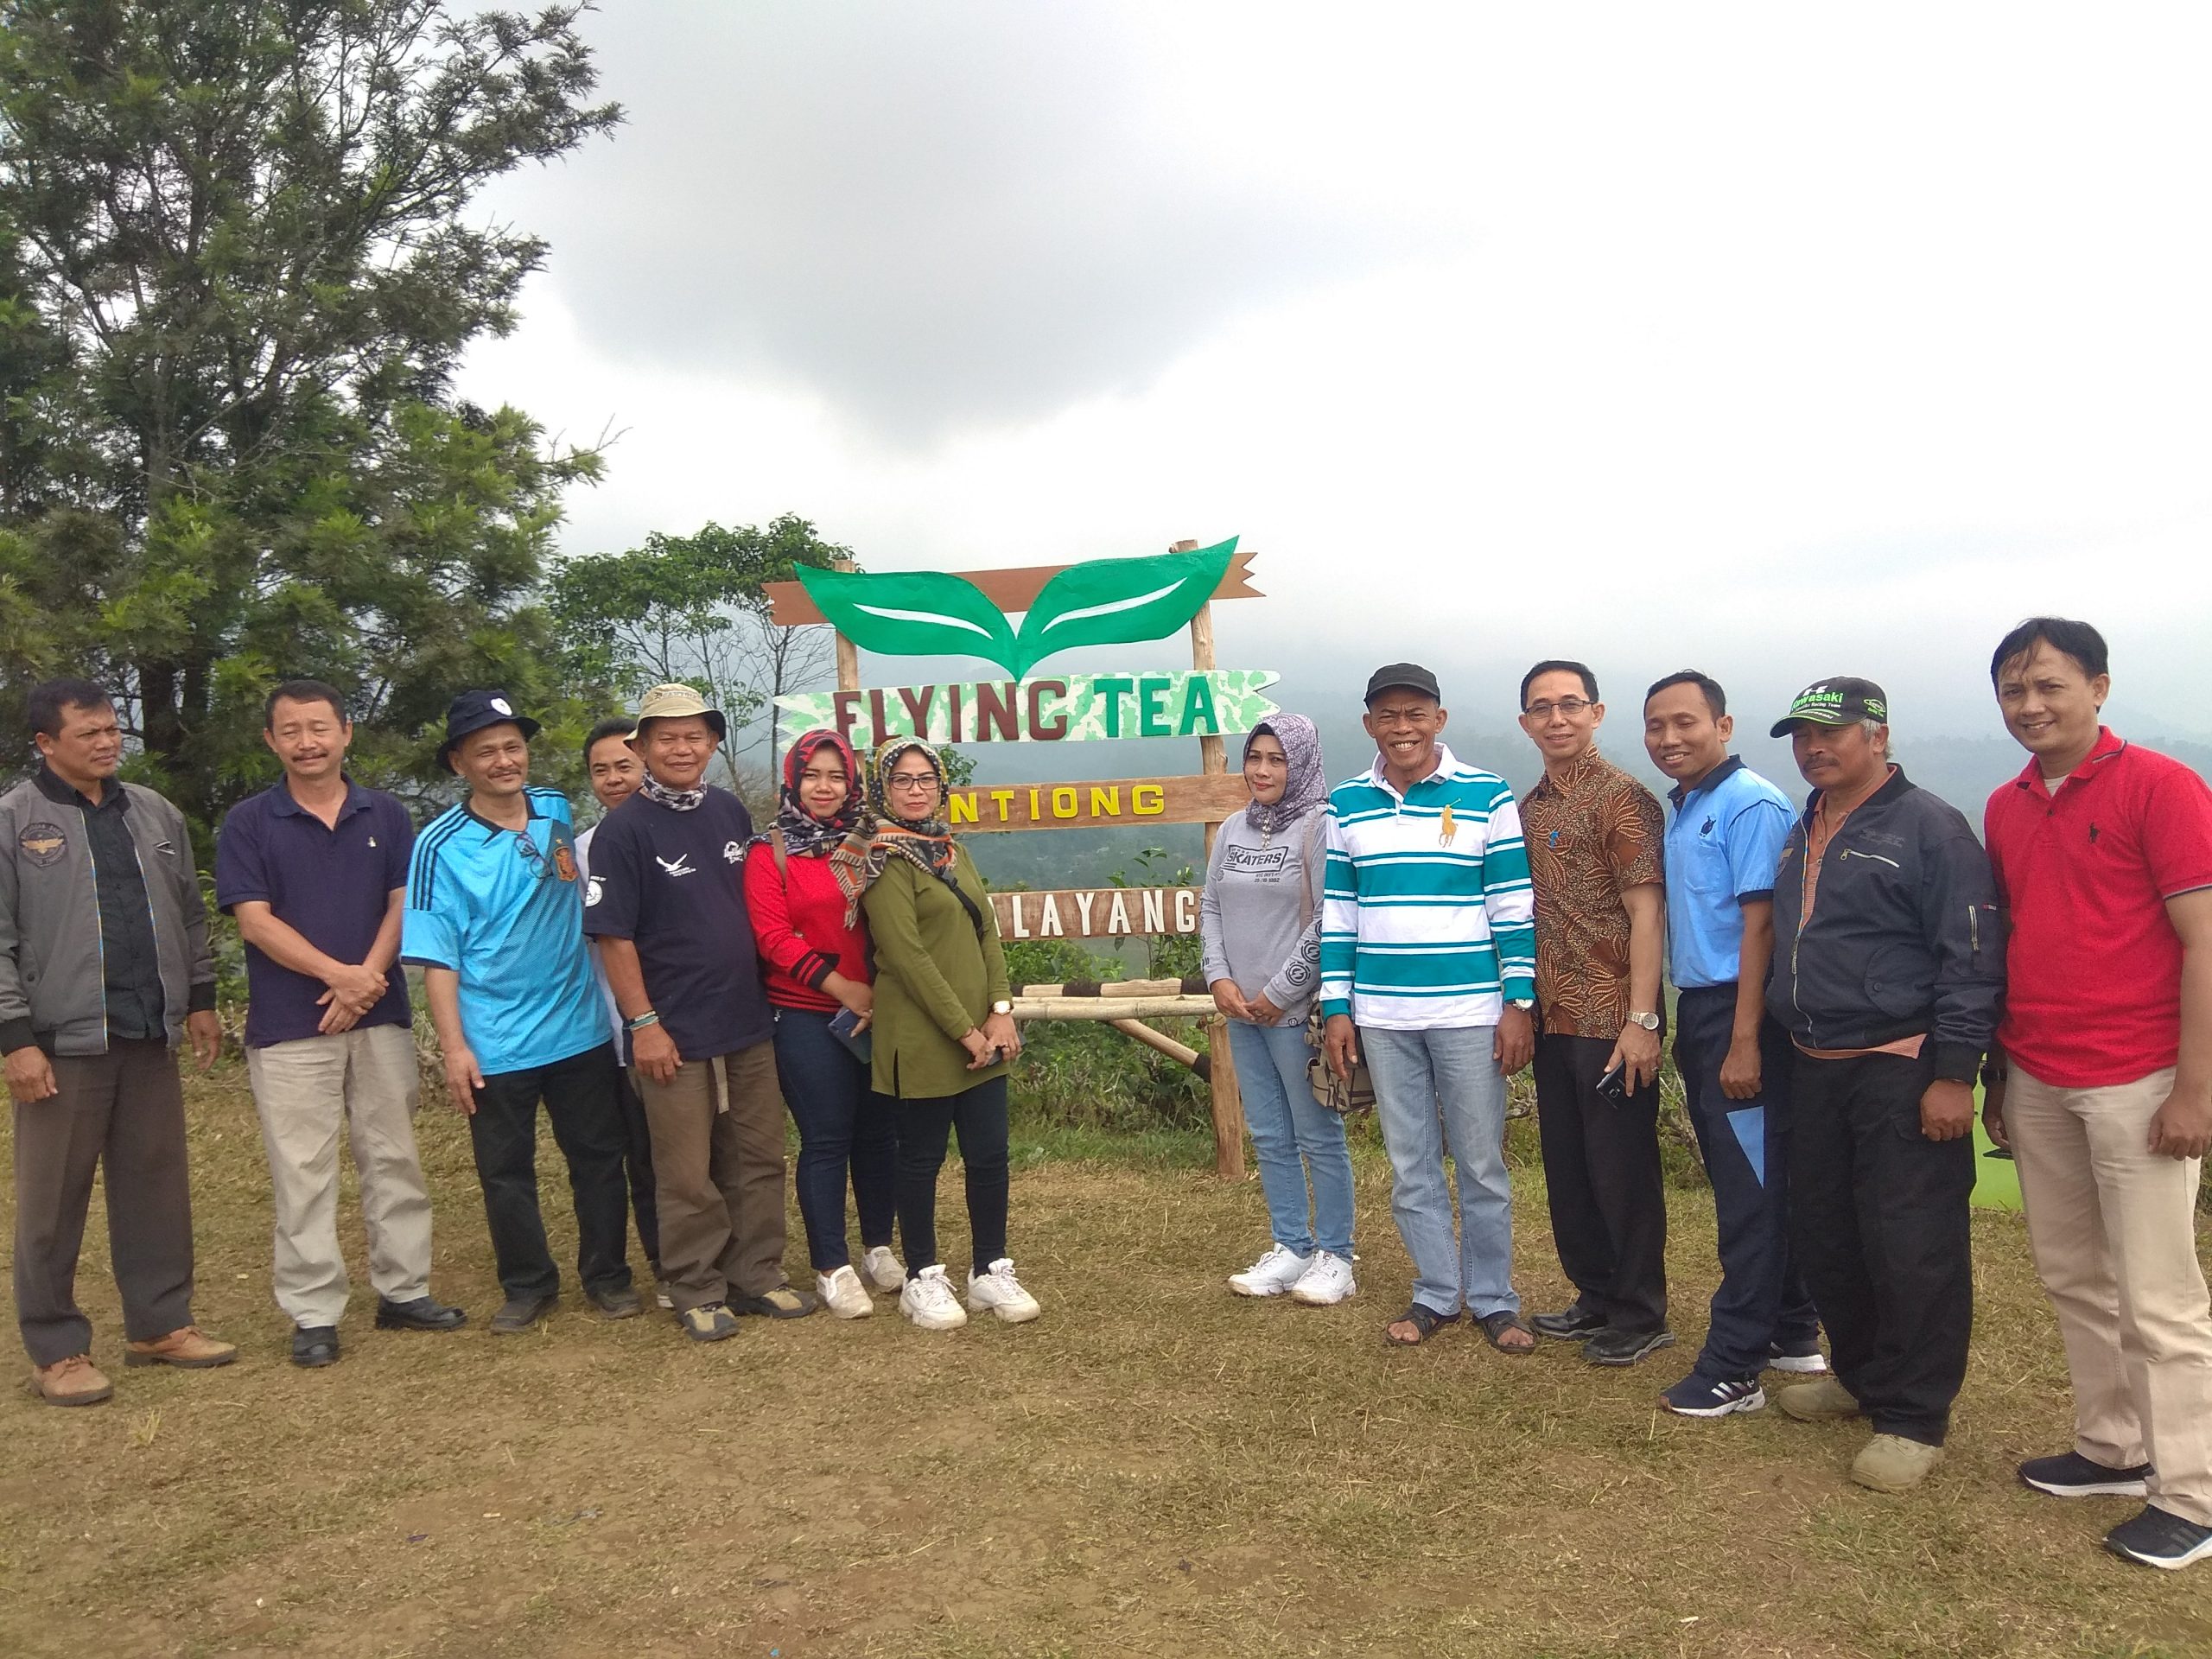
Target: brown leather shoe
[(72, 1381), (189, 1347)]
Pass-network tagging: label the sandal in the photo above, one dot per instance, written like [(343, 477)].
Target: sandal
[(1426, 1320), (1495, 1325)]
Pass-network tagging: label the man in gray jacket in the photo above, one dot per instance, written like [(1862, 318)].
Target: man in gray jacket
[(104, 971)]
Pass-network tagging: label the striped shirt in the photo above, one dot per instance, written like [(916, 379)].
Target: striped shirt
[(1427, 916)]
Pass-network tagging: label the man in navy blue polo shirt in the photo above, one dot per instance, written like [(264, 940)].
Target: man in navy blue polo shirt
[(315, 869), (667, 908), (495, 917), (1722, 847)]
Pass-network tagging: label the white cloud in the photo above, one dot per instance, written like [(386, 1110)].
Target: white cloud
[(1777, 344)]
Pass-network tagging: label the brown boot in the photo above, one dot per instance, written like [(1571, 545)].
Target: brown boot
[(189, 1347), (70, 1381)]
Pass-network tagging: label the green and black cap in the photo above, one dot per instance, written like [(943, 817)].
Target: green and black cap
[(1840, 701)]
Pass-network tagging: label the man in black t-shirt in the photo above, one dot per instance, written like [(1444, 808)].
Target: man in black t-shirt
[(665, 904)]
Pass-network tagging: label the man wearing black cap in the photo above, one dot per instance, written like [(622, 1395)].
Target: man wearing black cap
[(495, 919), (1428, 964), (1888, 967)]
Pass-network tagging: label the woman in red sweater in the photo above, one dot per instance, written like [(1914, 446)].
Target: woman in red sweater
[(815, 963)]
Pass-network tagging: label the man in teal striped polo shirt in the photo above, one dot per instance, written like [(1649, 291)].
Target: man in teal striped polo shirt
[(1428, 968)]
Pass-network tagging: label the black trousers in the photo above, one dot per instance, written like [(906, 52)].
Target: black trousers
[(585, 1110), (978, 1113), (1601, 1169), (120, 1113), (638, 1164), (1745, 1145), (1878, 1221)]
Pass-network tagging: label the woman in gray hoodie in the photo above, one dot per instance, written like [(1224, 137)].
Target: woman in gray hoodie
[(1260, 921)]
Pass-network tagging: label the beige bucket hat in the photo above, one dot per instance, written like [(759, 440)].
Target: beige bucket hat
[(676, 701)]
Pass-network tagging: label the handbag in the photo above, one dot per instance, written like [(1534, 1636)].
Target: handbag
[(1343, 1096)]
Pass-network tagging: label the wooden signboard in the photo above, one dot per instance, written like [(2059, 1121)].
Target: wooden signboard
[(1097, 913), (1206, 798), (791, 607)]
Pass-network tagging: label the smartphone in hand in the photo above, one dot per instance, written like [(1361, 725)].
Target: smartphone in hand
[(1614, 1085), (845, 1027)]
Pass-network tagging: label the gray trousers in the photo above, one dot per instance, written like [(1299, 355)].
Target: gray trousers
[(123, 1113)]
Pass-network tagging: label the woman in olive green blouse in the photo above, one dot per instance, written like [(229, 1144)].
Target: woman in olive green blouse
[(943, 1028)]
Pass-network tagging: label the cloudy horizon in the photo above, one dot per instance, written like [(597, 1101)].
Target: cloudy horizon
[(1776, 344)]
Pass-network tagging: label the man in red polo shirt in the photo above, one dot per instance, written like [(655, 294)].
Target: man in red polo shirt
[(2102, 1081)]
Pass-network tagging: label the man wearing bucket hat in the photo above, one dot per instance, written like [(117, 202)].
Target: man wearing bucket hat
[(495, 919), (666, 905), (1888, 967)]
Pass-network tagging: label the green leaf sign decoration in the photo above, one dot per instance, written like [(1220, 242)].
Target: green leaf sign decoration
[(1103, 602)]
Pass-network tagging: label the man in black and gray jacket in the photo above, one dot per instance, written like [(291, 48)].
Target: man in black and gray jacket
[(104, 972), (1889, 969)]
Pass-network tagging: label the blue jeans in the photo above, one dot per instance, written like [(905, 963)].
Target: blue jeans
[(843, 1123), (1432, 1088), (1295, 1136)]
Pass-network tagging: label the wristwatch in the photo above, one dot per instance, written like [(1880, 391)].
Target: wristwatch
[(1525, 1004), (1001, 1006), (1649, 1021)]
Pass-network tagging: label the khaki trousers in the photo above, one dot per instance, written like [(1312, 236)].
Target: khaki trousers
[(718, 1175), (2113, 1230), (363, 1081)]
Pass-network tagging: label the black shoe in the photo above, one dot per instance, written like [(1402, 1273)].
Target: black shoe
[(518, 1313), (424, 1313), (620, 1302), (315, 1346), (2071, 1475), (2160, 1538), (1576, 1323), (1625, 1347)]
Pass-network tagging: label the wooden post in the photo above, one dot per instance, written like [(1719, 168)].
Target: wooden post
[(1221, 1071), (849, 654)]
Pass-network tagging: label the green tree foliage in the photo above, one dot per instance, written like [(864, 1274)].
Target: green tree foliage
[(690, 608), (235, 280)]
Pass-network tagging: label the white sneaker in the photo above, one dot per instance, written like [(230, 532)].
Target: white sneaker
[(928, 1300), (843, 1294), (1324, 1284), (1272, 1275), (997, 1291), (881, 1269)]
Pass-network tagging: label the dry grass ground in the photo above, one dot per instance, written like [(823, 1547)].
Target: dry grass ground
[(1152, 1468)]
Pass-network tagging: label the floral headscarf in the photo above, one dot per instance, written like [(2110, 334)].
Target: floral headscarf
[(880, 836), (1306, 785), (805, 835)]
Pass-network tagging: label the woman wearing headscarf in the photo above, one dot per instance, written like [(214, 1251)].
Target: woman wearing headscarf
[(1260, 923), (943, 1028), (816, 964)]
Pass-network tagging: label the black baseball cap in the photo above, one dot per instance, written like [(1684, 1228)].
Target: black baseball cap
[(1402, 676), (472, 711), (1840, 701)]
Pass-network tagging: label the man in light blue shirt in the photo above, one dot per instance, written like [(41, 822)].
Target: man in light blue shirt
[(494, 917), (1722, 846)]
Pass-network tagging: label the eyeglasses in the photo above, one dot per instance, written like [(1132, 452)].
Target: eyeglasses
[(912, 781), (1568, 706)]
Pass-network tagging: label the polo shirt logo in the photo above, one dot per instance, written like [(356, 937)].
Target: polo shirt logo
[(1706, 828), (680, 865), (564, 861), (593, 889), (43, 843), (733, 851)]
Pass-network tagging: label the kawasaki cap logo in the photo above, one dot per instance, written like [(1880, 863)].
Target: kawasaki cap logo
[(1842, 701)]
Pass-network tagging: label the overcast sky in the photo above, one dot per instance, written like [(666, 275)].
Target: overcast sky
[(1776, 342)]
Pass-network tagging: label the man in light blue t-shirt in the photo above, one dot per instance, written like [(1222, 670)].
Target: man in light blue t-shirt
[(1722, 846), (495, 919)]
